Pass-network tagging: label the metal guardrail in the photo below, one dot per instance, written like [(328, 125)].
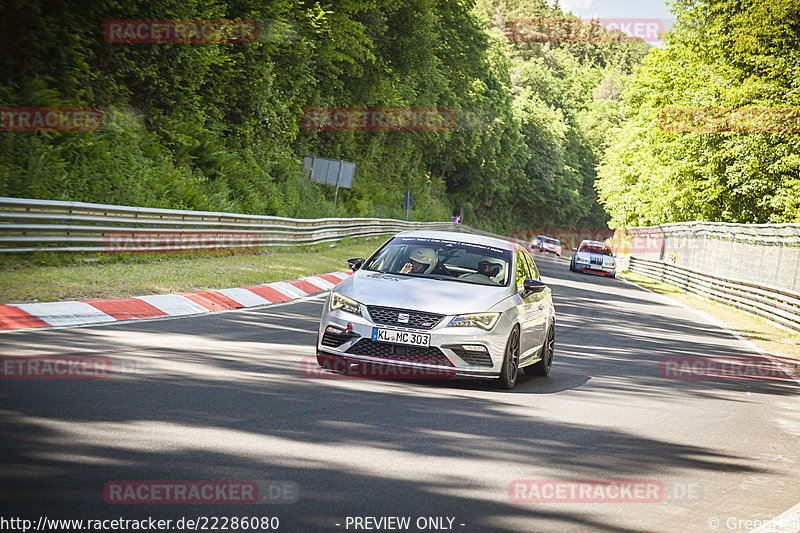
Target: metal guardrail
[(778, 305), (28, 225)]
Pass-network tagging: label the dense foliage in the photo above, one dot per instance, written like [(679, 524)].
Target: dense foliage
[(218, 126), (725, 61)]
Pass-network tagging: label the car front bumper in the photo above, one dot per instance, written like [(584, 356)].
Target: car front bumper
[(607, 270), (445, 354)]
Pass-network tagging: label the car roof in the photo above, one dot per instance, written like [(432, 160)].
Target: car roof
[(595, 243), (468, 238)]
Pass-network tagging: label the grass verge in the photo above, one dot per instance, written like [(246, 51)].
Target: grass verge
[(756, 330), (47, 278)]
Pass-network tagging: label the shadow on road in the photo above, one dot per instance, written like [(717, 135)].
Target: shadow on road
[(222, 397)]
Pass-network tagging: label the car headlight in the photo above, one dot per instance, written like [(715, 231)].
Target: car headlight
[(475, 320), (581, 260), (344, 303)]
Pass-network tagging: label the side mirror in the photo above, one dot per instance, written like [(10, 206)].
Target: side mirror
[(532, 285), (574, 249), (355, 264)]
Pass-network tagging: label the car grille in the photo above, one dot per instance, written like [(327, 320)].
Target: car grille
[(334, 340), (471, 357), (415, 354), (388, 316)]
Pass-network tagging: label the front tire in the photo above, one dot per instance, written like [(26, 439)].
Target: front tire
[(542, 368), (510, 370)]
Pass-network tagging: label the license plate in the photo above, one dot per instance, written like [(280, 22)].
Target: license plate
[(596, 267), (401, 337)]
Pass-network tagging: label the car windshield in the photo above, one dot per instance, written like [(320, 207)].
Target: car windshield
[(594, 249), (443, 260), (548, 240)]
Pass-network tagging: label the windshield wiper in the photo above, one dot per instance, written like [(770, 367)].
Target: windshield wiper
[(442, 277)]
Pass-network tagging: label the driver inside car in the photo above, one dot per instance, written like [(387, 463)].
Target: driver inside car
[(420, 261), (488, 267)]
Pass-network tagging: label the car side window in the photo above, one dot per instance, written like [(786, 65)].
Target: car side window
[(532, 267), (523, 271)]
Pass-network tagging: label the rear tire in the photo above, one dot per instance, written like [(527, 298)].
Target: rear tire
[(542, 368), (510, 370)]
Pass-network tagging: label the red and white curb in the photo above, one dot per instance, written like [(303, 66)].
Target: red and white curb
[(84, 312)]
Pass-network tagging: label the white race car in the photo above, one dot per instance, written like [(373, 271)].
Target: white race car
[(594, 256), (549, 245)]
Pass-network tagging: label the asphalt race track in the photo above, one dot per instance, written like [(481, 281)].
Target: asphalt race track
[(233, 396)]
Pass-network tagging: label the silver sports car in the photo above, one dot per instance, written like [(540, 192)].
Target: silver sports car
[(459, 304)]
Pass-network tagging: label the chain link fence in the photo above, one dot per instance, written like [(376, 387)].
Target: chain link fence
[(760, 253), (754, 267)]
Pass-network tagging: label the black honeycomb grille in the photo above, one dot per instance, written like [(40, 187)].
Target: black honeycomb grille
[(472, 357), (334, 340), (414, 354), (390, 316)]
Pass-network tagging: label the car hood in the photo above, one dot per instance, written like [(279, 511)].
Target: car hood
[(421, 294)]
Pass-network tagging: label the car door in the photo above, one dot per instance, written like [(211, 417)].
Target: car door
[(529, 334), (539, 305)]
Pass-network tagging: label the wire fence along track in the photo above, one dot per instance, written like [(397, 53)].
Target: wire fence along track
[(766, 254), (45, 225), (778, 305), (753, 267)]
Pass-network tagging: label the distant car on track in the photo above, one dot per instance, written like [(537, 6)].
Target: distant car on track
[(550, 245), (469, 305), (594, 256), (536, 244)]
